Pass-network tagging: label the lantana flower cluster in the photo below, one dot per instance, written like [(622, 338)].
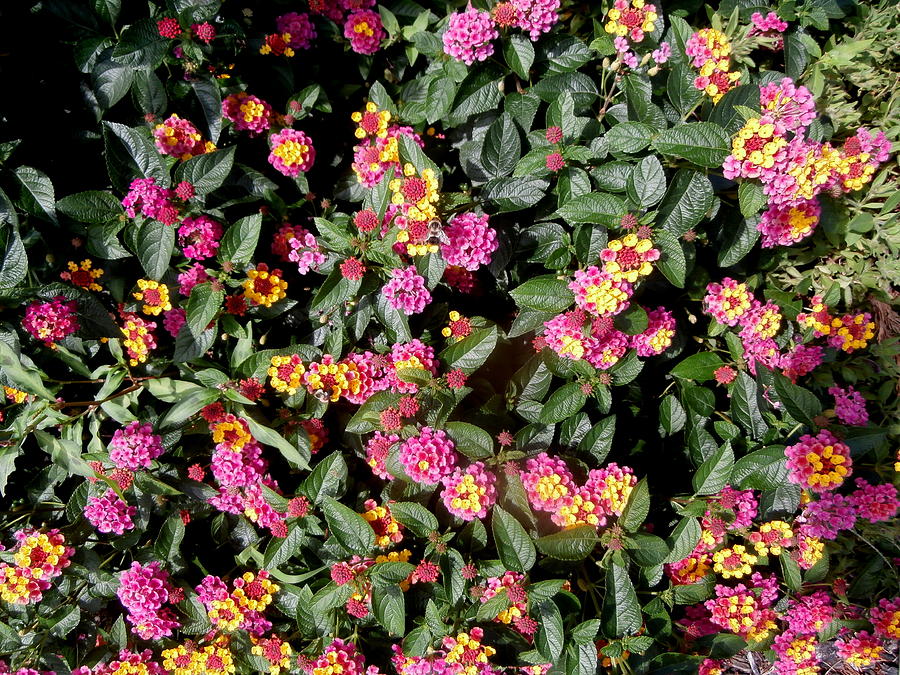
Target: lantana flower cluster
[(38, 558)]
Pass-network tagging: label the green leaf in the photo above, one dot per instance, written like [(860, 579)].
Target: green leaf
[(93, 206), (681, 90), (550, 639), (796, 56), (672, 261), (647, 182), (150, 93), (688, 199), (597, 208), (621, 613), (671, 415), (186, 407), (439, 97), (326, 479), (348, 527), (489, 609), (155, 243), (202, 306), (64, 453), (389, 608), (206, 172), (239, 241), (751, 198), (564, 402), (207, 92), (713, 474), (111, 82), (502, 147), (334, 291), (472, 441), (472, 351), (701, 367), (141, 46), (598, 441), (518, 51), (574, 544), (683, 539), (514, 545), (386, 573), (282, 549), (745, 405), (801, 403), (638, 506), (64, 620), (514, 194), (140, 148), (764, 469), (270, 437), (738, 241), (727, 112), (703, 143), (168, 541), (544, 293), (629, 137), (633, 321), (478, 93), (27, 380), (790, 571), (416, 517), (14, 261), (37, 192), (647, 550), (564, 53)]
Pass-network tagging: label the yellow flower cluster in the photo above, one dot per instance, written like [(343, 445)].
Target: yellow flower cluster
[(816, 169), (274, 650), (771, 537), (387, 530), (14, 395), (263, 287), (231, 432), (17, 586), (606, 297), (371, 121), (624, 20), (630, 259), (212, 659), (286, 373), (572, 345), (475, 653), (616, 492), (419, 194), (225, 614), (334, 379), (154, 295), (580, 512), (829, 467), (733, 562), (757, 143), (254, 592), (468, 495), (82, 275), (138, 339), (856, 335)]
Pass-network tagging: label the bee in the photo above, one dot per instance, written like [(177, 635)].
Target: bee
[(436, 234), (322, 395)]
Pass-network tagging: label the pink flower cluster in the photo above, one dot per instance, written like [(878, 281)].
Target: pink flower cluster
[(471, 241), (828, 515), (377, 156), (144, 590), (292, 152), (178, 137), (51, 321), (786, 106), (193, 275), (849, 406), (151, 200), (364, 30), (135, 447), (657, 337), (768, 26), (536, 17), (108, 513), (242, 606), (340, 657), (304, 250), (377, 449), (788, 224), (469, 493), (885, 618), (820, 463), (126, 662), (300, 28), (199, 237), (429, 456), (406, 291), (468, 36), (875, 503), (247, 112)]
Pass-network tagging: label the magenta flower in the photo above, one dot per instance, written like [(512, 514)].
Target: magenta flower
[(305, 250), (471, 243), (468, 36), (292, 152), (135, 447), (299, 27), (143, 590), (364, 30), (247, 113), (536, 16), (199, 237), (406, 291), (51, 321), (469, 493), (108, 513), (428, 457)]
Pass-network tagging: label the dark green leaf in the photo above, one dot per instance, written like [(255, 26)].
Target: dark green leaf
[(549, 639), (713, 474), (703, 143), (638, 506), (472, 351), (239, 241), (202, 306), (155, 243), (206, 172), (416, 517), (502, 147), (326, 479), (688, 199), (738, 241), (472, 441), (348, 527), (573, 544), (564, 402), (141, 46), (518, 51), (647, 182), (621, 613), (595, 207), (683, 539), (389, 607), (93, 206), (598, 441), (514, 546), (544, 293), (745, 405), (700, 367), (514, 194)]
